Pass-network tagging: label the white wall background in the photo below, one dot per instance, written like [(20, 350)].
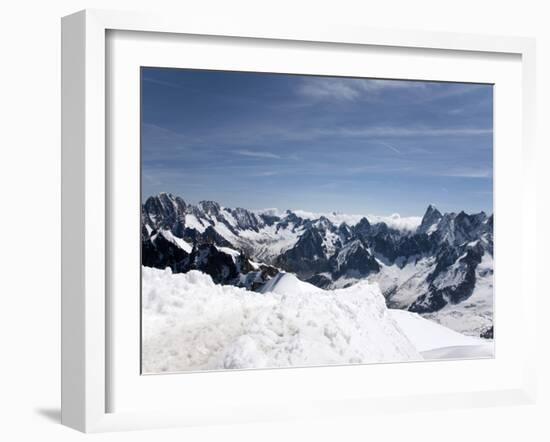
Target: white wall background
[(30, 220)]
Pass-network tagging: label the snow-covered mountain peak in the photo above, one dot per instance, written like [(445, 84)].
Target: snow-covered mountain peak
[(431, 218), (211, 208)]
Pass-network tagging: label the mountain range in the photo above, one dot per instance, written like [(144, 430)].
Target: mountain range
[(440, 265)]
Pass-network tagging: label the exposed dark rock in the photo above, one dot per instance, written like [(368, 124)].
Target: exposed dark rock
[(210, 208), (487, 333), (320, 281), (208, 259), (429, 302), (210, 236), (414, 245), (362, 229), (354, 260), (246, 220), (165, 211), (160, 253), (307, 257), (430, 219)]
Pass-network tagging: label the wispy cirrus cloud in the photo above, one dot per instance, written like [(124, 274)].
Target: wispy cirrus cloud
[(368, 132), (257, 154), (160, 135), (481, 172), (266, 173), (254, 135), (350, 88), (162, 82), (389, 146), (354, 89), (406, 168), (321, 88), (390, 131)]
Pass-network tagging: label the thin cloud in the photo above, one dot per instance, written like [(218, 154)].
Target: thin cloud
[(389, 131), (265, 173), (162, 82), (418, 170), (321, 88), (252, 136), (352, 89), (468, 173), (373, 85), (438, 92), (379, 169), (456, 111), (161, 134), (389, 146), (349, 89), (257, 154)]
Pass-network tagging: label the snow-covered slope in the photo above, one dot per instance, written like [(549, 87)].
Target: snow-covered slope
[(190, 323), (286, 283), (434, 341), (402, 282), (475, 314)]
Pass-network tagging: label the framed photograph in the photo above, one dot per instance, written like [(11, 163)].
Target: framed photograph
[(262, 223), (239, 285)]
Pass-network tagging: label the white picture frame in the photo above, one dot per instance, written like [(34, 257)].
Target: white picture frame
[(86, 215)]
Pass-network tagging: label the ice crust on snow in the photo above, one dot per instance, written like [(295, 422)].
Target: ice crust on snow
[(190, 323)]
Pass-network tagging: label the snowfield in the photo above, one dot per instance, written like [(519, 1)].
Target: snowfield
[(190, 323), (434, 341)]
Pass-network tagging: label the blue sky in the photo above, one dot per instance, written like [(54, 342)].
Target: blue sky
[(320, 144)]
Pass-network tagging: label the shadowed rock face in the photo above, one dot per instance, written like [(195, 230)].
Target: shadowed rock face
[(320, 280), (355, 260), (460, 265), (307, 257), (211, 208), (158, 252), (164, 211), (208, 259), (487, 333), (430, 219), (323, 252)]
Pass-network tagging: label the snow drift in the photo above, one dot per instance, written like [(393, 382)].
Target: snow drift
[(190, 323)]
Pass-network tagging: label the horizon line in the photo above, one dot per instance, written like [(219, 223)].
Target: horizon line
[(320, 213)]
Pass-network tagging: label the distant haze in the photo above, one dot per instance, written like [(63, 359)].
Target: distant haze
[(319, 144)]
